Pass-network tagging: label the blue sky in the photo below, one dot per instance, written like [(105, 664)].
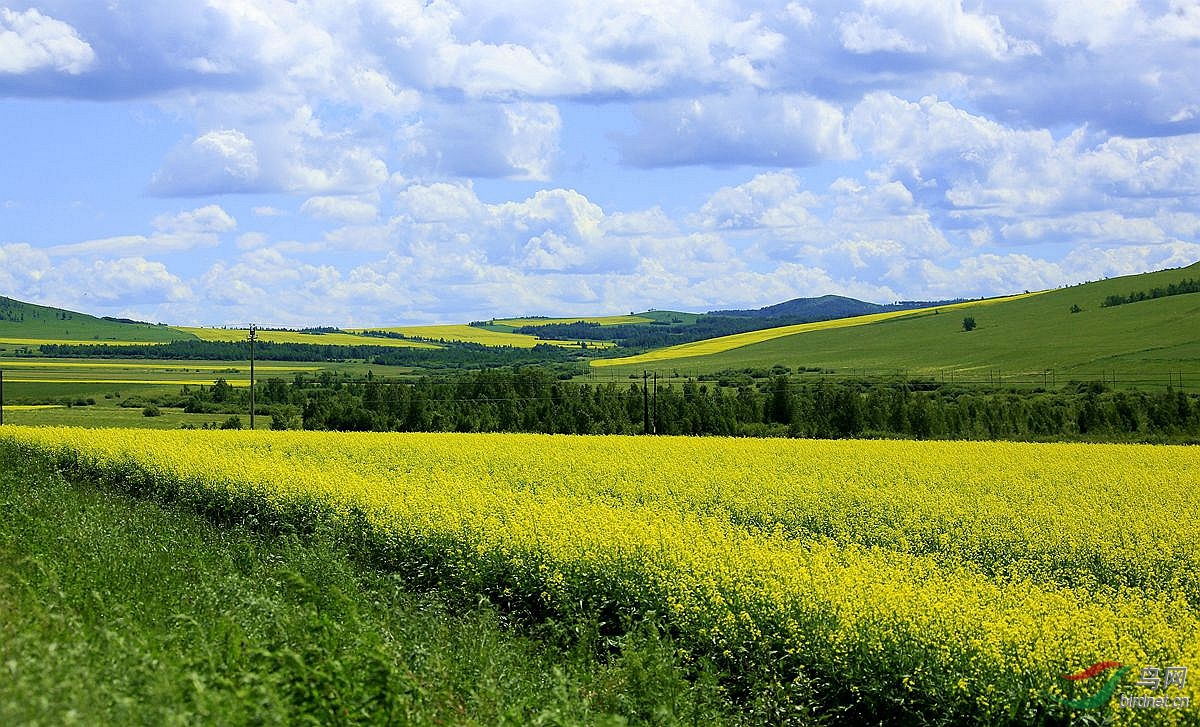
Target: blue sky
[(367, 162)]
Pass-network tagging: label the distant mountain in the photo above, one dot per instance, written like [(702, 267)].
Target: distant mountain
[(828, 307)]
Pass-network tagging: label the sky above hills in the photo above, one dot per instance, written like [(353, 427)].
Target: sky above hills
[(370, 162)]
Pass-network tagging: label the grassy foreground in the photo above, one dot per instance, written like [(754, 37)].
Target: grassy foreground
[(117, 610)]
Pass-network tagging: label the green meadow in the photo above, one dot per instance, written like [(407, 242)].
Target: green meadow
[(124, 610), (28, 322), (114, 392), (1148, 340)]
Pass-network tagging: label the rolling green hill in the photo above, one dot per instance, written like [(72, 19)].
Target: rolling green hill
[(1026, 334), (29, 324)]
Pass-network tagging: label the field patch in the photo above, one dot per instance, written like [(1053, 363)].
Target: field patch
[(233, 335), (19, 379), (948, 579), (474, 334), (14, 341), (602, 320), (143, 366)]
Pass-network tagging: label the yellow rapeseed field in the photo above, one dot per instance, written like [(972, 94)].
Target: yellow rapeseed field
[(965, 576), (475, 334)]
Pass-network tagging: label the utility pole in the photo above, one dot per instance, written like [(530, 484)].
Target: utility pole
[(253, 335), (655, 420), (645, 404), (1, 396)]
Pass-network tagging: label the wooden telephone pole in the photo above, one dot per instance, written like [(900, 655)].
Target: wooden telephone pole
[(253, 335), (645, 403)]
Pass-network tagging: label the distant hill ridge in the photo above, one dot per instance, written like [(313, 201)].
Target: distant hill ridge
[(828, 307), (21, 320)]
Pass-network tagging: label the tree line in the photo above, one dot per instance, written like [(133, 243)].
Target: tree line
[(451, 355), (530, 399), (1191, 285)]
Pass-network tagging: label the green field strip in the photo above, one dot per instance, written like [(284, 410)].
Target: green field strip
[(13, 341), (235, 335), (602, 320), (727, 343), (58, 363)]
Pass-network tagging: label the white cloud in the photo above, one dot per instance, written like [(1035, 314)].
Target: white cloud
[(572, 49), (941, 27), (741, 128), (31, 41), (976, 276), (208, 219), (132, 283), (132, 280), (224, 160), (1095, 25), (180, 232), (773, 200), (512, 140), (341, 209), (21, 269)]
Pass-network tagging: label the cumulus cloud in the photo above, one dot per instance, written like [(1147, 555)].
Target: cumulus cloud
[(573, 49), (743, 128), (31, 41), (341, 209), (180, 232), (210, 218), (514, 140), (224, 160), (128, 283), (774, 200), (21, 268), (937, 27)]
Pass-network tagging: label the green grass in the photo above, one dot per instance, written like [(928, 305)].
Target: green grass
[(28, 321), (115, 610), (1032, 334), (108, 413), (56, 380)]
